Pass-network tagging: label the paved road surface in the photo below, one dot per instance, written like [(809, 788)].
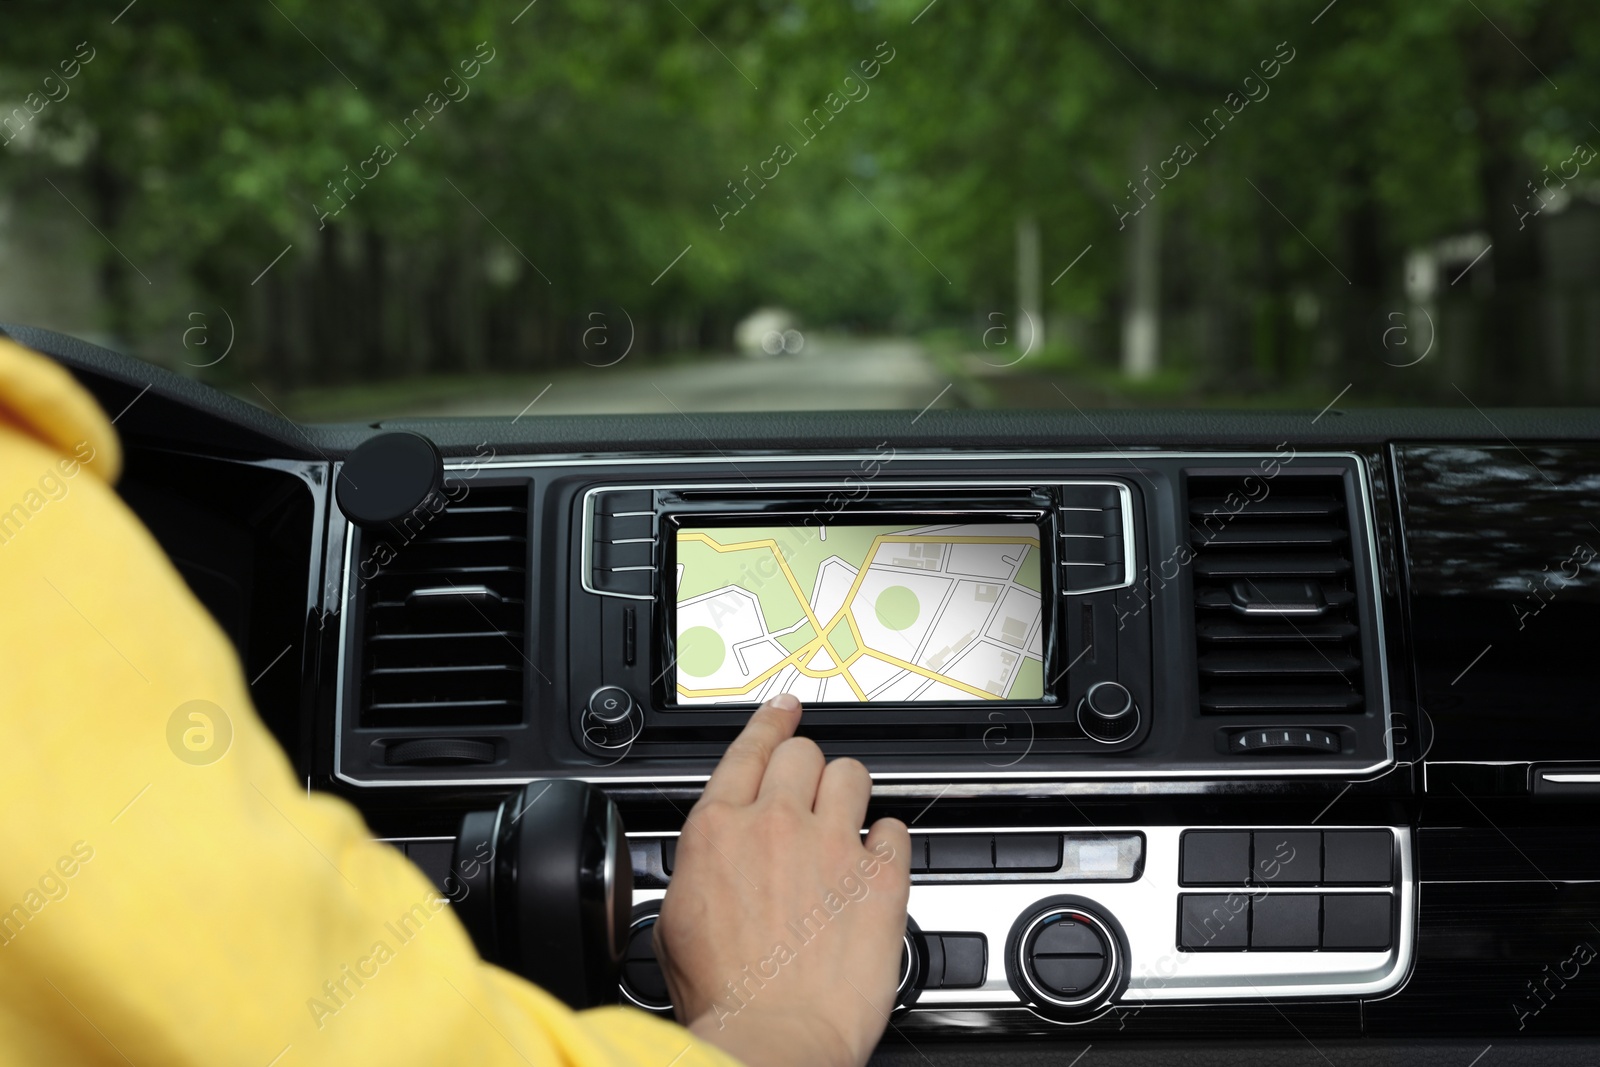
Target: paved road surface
[(830, 374)]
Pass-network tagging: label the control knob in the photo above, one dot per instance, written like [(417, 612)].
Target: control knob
[(1065, 959), (1108, 713), (610, 719)]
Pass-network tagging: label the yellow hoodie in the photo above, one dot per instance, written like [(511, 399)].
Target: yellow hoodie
[(167, 909)]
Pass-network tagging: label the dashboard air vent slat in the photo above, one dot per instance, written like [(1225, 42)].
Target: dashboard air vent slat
[(1269, 566), (1277, 661), (1227, 700), (1264, 630), (1202, 507), (1277, 534), (443, 635), (1277, 629)]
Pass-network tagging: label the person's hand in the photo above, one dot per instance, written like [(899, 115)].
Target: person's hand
[(780, 934)]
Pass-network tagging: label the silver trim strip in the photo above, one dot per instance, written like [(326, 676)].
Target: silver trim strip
[(1147, 909), (453, 590), (585, 565), (533, 465), (1571, 779)]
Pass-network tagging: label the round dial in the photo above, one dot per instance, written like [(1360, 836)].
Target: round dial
[(1067, 958), (643, 982), (610, 718), (1108, 712)]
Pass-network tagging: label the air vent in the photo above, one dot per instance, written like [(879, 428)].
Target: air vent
[(443, 641), (1276, 612)]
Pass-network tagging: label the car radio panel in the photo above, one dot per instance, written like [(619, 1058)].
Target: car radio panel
[(932, 616), (976, 617)]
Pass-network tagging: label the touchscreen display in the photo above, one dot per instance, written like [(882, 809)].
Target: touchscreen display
[(858, 614)]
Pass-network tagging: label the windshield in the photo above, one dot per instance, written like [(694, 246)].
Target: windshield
[(349, 212)]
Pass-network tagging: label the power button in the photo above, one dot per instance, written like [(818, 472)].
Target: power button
[(610, 704), (610, 718)]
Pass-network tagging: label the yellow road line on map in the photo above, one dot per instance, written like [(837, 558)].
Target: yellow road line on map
[(943, 679)]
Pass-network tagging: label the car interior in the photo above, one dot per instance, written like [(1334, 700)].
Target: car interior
[(1250, 742), (1160, 441)]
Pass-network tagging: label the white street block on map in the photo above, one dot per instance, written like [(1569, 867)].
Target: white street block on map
[(986, 666), (1013, 620), (985, 560)]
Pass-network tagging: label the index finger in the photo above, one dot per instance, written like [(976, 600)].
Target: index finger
[(738, 776)]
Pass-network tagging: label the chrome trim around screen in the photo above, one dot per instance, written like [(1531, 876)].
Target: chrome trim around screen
[(1129, 543)]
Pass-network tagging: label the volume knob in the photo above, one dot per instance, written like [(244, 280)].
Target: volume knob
[(610, 719), (1108, 712)]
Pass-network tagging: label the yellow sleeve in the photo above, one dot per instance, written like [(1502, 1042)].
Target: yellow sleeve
[(179, 901)]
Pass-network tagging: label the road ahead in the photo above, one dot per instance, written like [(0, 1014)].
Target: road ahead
[(830, 374)]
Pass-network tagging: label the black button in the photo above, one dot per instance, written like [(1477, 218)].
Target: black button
[(1092, 549), (1356, 920), (622, 527), (965, 959), (1215, 858), (1109, 700), (1284, 920), (1067, 937), (1287, 857), (1284, 739), (669, 853), (1069, 975), (1357, 857), (933, 962), (1100, 523), (1212, 921), (1082, 576), (610, 704), (919, 852), (1091, 496), (628, 500), (612, 557), (1027, 852), (634, 583), (960, 852)]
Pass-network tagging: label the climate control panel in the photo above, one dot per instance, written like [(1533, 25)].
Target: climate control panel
[(1073, 922)]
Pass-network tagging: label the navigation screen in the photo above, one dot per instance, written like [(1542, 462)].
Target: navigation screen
[(859, 614)]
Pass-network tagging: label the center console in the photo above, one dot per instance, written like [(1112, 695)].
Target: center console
[(979, 629)]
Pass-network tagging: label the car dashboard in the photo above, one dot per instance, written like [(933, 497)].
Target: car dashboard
[(1246, 735)]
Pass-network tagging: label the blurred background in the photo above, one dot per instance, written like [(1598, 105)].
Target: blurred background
[(346, 211)]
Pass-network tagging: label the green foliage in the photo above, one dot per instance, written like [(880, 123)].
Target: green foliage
[(602, 138)]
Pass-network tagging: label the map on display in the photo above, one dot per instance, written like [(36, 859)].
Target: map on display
[(854, 614)]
